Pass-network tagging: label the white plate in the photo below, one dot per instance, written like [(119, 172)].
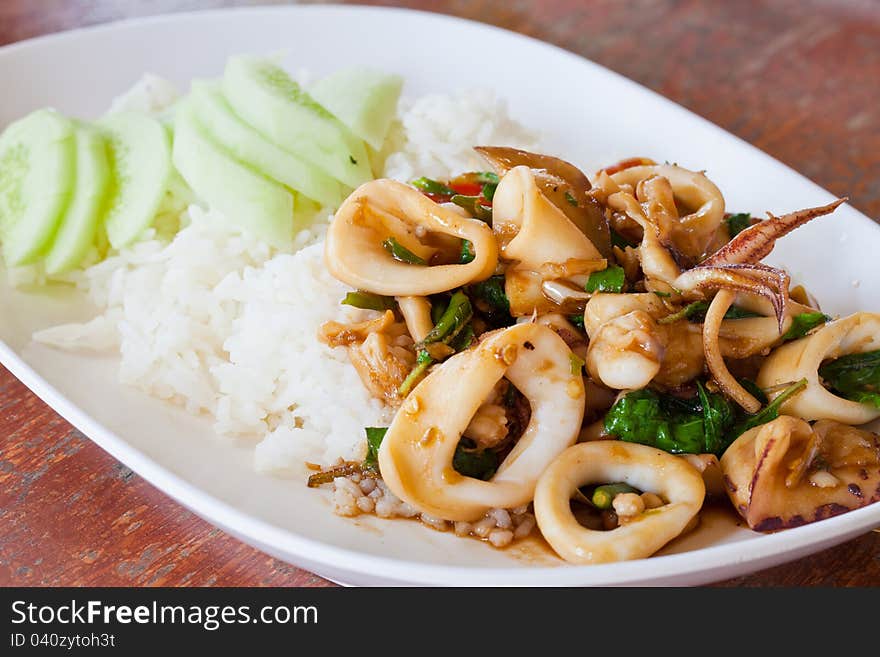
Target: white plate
[(589, 115)]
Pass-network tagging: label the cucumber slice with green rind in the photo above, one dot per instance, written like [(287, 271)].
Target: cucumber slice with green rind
[(36, 179), (76, 231), (264, 96), (363, 99), (252, 148), (247, 200), (140, 165)]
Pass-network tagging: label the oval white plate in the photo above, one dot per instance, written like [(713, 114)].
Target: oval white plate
[(588, 114)]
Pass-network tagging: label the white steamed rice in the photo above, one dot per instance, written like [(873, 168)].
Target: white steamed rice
[(218, 323)]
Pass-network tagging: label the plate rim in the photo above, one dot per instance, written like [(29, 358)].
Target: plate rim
[(763, 551)]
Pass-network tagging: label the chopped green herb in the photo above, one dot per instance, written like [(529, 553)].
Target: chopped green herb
[(767, 414), (457, 314), (467, 252), (803, 323), (696, 312), (438, 307), (491, 293), (855, 377), (352, 160), (464, 339), (369, 301), (753, 389), (571, 199), (454, 320), (604, 495), (736, 223), (717, 417), (610, 279), (578, 321), (478, 178), (620, 241), (474, 206), (472, 462), (488, 177), (423, 362), (401, 253), (429, 186), (368, 467), (676, 425), (662, 295), (735, 312), (374, 441)]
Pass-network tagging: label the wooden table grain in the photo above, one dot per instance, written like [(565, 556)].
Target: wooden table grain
[(800, 79)]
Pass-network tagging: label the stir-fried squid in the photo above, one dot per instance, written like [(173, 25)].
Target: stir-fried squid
[(667, 187), (676, 482), (543, 244), (803, 359), (519, 311), (787, 473), (384, 209), (416, 455)]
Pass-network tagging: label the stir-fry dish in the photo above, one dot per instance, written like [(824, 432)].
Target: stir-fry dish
[(594, 359)]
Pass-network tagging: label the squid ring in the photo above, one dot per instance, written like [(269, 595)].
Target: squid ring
[(603, 461), (416, 454), (354, 254), (802, 358)]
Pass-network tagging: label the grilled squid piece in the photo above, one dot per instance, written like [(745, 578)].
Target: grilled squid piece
[(677, 483), (416, 454), (802, 358), (378, 210), (786, 473), (670, 186), (544, 243)]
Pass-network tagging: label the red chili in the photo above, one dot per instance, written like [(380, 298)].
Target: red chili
[(438, 198), (466, 188), (627, 164)]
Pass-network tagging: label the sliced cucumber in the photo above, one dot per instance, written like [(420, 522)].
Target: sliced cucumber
[(264, 95), (248, 200), (252, 148), (77, 229), (364, 100), (36, 180), (140, 165)]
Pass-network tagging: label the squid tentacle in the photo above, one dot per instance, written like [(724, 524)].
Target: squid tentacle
[(757, 241)]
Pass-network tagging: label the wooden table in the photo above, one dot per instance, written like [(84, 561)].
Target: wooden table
[(799, 79)]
